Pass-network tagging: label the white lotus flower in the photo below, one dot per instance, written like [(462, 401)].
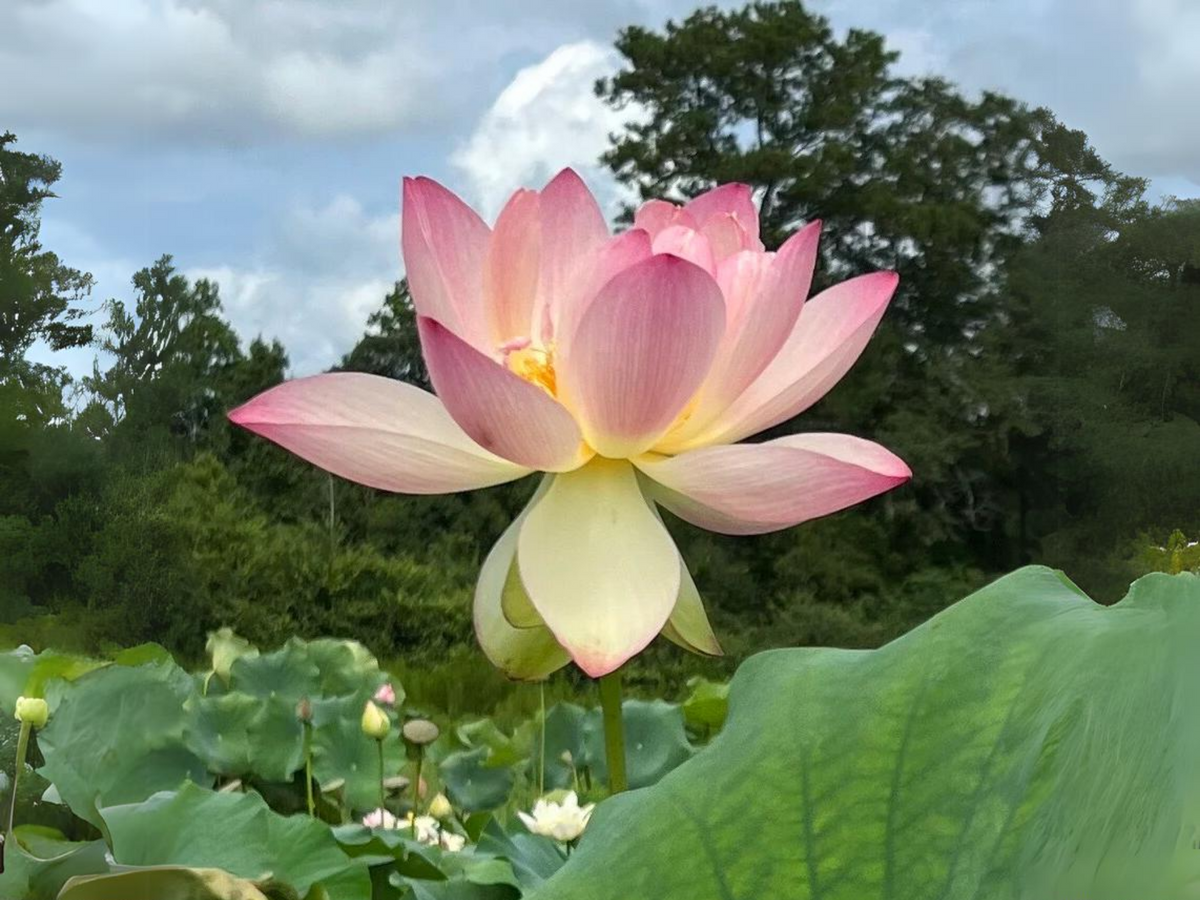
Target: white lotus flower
[(452, 842), (563, 821), (379, 818), (427, 829)]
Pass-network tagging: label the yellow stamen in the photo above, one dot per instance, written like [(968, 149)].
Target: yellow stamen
[(534, 365)]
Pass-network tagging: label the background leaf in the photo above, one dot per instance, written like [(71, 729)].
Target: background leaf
[(117, 736), (237, 833)]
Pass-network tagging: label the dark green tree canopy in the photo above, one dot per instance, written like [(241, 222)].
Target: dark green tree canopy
[(906, 173), (171, 353), (40, 296), (391, 346)]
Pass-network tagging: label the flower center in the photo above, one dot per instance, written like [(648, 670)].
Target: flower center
[(534, 364)]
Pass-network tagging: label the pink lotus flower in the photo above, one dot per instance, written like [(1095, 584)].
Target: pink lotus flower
[(386, 694), (626, 368)]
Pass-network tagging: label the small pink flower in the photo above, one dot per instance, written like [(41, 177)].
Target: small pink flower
[(386, 694), (627, 369)]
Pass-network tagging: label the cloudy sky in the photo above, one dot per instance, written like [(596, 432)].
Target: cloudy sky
[(261, 142)]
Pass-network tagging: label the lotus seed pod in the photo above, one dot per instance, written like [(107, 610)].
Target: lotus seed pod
[(375, 723), (420, 732), (33, 710), (396, 783)]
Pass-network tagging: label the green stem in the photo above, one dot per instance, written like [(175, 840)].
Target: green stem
[(614, 731), (382, 789), (308, 778), (542, 768), (22, 749), (417, 789)]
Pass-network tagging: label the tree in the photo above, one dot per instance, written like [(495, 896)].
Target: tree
[(391, 347), (40, 296), (1109, 369), (173, 356)]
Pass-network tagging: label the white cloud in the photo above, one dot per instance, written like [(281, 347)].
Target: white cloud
[(211, 71), (1160, 128), (321, 275), (919, 49), (235, 72), (1127, 73), (547, 118)]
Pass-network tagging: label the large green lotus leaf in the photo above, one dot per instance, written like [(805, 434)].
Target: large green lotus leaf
[(472, 783), (238, 833), (502, 749), (1026, 744), (117, 736), (240, 735), (456, 889), (464, 875), (141, 654), (312, 669), (392, 846), (567, 727), (342, 751), (38, 861), (25, 673), (15, 666), (347, 667), (288, 673), (706, 706), (655, 742), (168, 883), (533, 858)]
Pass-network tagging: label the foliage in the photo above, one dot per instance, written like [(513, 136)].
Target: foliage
[(945, 764), (1177, 555), (40, 296), (390, 347), (1054, 762), (101, 749), (149, 756)]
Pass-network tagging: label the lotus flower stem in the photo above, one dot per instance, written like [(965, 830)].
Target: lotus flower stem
[(416, 786), (382, 786), (22, 749), (542, 729), (308, 776), (614, 731), (332, 520)]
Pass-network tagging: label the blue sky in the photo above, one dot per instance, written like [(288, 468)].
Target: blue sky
[(261, 142)]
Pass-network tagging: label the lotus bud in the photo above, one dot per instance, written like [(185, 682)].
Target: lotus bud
[(304, 710), (386, 695), (375, 723), (567, 758), (33, 710), (420, 732), (440, 808)]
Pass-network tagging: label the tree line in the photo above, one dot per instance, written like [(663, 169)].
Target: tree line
[(1039, 371)]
